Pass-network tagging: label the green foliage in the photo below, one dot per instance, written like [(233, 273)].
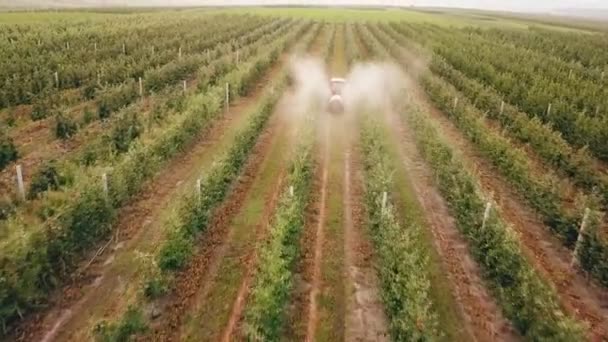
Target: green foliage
[(125, 131), (550, 145), (7, 208), (87, 116), (405, 284), (44, 106), (175, 252), (112, 99), (578, 96), (47, 178), (52, 248), (273, 281), (8, 151), (132, 323), (27, 67), (65, 128), (593, 254), (541, 191), (526, 299)]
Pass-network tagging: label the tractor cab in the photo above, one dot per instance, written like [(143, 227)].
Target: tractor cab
[(336, 104)]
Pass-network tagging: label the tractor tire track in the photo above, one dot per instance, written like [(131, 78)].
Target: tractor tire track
[(312, 317)]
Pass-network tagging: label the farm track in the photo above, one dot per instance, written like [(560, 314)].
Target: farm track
[(482, 316), (579, 296), (110, 283), (326, 302)]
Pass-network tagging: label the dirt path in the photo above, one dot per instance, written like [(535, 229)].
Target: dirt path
[(482, 316), (365, 318), (111, 282), (318, 243), (580, 297)]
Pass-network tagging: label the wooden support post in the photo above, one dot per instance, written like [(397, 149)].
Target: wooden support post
[(549, 109), (227, 96), (57, 79), (124, 49), (486, 214), (67, 45), (185, 86), (579, 240), (384, 201), (455, 103), (141, 87), (198, 188), (20, 185), (291, 190), (153, 49), (179, 53), (502, 107), (104, 184), (95, 47)]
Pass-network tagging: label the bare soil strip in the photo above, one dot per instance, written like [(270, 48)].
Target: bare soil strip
[(579, 296), (108, 285), (365, 318), (483, 317), (318, 244)]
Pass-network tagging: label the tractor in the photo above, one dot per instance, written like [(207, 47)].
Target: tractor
[(336, 103)]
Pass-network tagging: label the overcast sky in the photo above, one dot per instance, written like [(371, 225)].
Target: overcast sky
[(517, 4), (508, 5), (512, 5)]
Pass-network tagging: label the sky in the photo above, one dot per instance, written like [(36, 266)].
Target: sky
[(507, 5), (516, 4), (510, 5)]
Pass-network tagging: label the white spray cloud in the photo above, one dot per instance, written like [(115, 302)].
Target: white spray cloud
[(311, 85), (373, 86)]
